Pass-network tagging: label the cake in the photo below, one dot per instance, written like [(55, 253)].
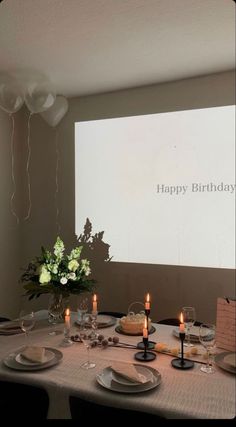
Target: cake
[(133, 324)]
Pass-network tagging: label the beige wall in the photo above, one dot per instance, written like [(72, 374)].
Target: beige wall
[(9, 230), (119, 284)]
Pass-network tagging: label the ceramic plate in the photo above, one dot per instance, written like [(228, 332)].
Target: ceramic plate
[(105, 379), (120, 331), (10, 361), (103, 321), (49, 355), (220, 361), (145, 373), (194, 335)]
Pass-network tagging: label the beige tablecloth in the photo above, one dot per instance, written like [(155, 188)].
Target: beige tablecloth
[(181, 394)]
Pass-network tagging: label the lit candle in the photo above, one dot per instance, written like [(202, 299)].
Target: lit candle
[(181, 326), (147, 302), (145, 329), (95, 304), (67, 318)]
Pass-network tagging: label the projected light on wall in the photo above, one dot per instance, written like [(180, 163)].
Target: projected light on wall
[(161, 186)]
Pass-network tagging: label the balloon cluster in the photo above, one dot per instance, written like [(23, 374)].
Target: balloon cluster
[(38, 95)]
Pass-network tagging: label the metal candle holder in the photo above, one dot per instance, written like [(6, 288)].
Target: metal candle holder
[(150, 344), (145, 356), (182, 363)]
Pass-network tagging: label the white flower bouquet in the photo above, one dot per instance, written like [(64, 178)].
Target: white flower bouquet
[(58, 273)]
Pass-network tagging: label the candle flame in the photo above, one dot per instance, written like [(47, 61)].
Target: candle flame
[(95, 298), (67, 312), (148, 298), (181, 318)]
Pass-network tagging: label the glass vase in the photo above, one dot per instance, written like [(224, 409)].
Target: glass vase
[(56, 308)]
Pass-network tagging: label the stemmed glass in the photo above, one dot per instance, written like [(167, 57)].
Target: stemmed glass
[(85, 337), (82, 310), (189, 317), (207, 339), (27, 322)]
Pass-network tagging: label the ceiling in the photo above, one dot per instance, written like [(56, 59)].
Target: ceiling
[(93, 46)]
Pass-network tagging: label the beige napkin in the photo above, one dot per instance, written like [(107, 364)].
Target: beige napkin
[(34, 354), (10, 328), (128, 371)]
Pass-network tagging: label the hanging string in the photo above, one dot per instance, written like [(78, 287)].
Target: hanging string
[(58, 227), (12, 170), (27, 169)]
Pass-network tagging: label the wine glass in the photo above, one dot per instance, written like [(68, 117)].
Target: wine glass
[(189, 317), (27, 322), (207, 339), (85, 336), (82, 310)]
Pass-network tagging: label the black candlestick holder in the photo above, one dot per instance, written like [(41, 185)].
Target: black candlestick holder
[(182, 363), (145, 356), (150, 344)]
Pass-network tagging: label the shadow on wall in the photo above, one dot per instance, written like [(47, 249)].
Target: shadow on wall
[(94, 248)]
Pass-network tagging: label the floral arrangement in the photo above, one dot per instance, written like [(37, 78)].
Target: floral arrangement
[(58, 273)]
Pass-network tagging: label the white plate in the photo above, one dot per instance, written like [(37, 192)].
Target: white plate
[(194, 334), (105, 380), (10, 361), (49, 355), (103, 321), (219, 361), (143, 372)]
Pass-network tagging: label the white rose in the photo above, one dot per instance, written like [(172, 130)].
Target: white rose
[(63, 280), (73, 265)]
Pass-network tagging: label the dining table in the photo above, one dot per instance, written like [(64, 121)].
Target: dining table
[(180, 393)]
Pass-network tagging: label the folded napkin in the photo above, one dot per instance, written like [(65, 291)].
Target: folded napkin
[(34, 354), (10, 328), (128, 371)]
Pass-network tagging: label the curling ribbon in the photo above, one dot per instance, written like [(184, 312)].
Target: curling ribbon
[(12, 171), (57, 186), (27, 169)]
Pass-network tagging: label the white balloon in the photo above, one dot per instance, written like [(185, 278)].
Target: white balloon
[(11, 94), (39, 96), (55, 113)]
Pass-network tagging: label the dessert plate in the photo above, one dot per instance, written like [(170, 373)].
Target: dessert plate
[(105, 379), (103, 321), (49, 355), (222, 360), (11, 362), (194, 333)]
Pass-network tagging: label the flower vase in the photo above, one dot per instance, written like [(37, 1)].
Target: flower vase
[(56, 308)]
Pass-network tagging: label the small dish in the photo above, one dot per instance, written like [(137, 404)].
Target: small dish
[(194, 333), (221, 363), (102, 321)]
